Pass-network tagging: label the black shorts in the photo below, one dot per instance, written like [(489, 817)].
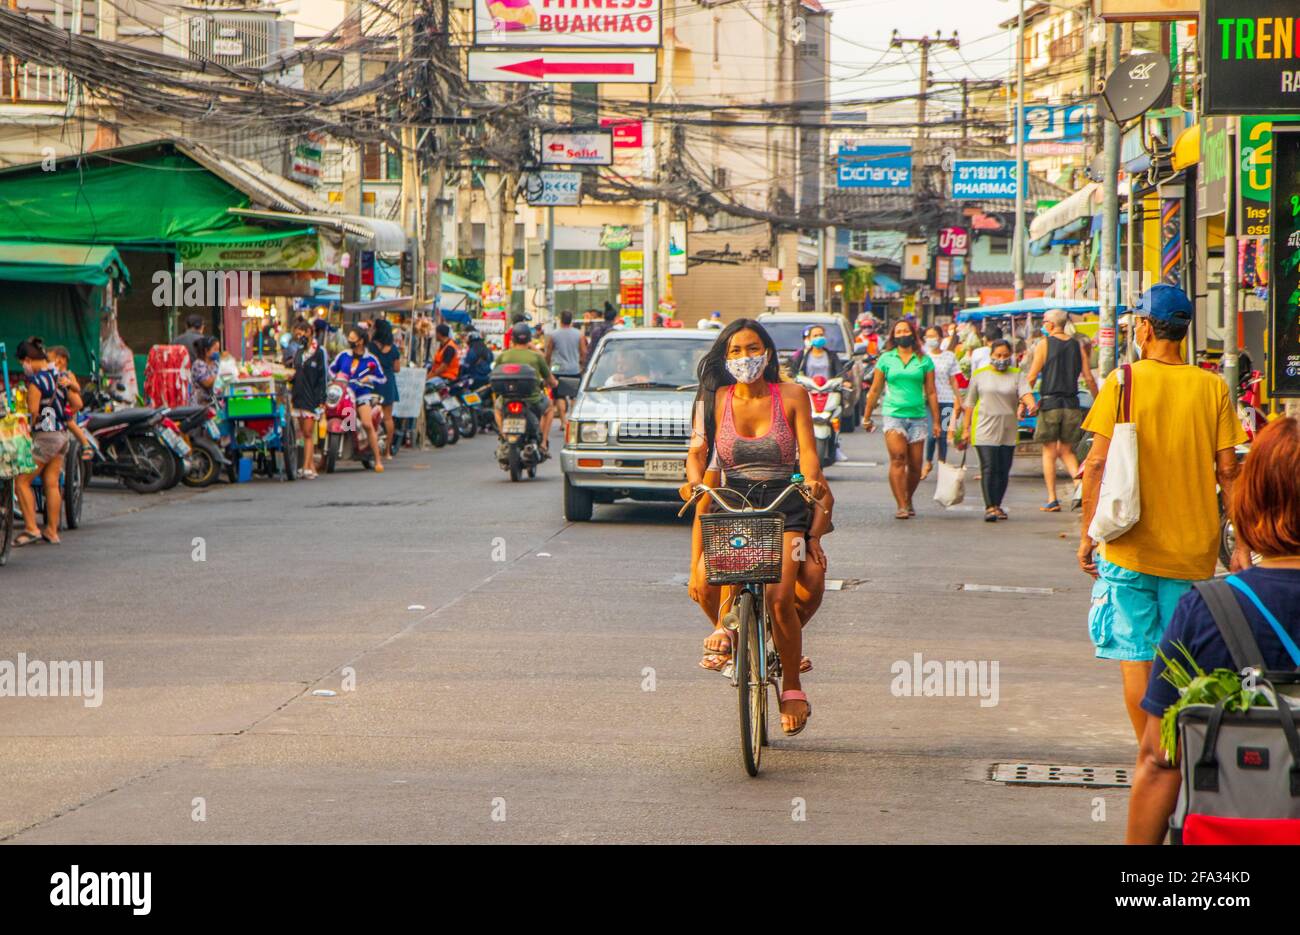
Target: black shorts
[(568, 386), (797, 512)]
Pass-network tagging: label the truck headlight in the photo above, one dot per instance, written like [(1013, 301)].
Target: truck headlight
[(593, 433)]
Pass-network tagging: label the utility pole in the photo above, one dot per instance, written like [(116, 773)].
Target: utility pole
[(352, 156), (1022, 179), (1231, 360), (897, 41), (1109, 226)]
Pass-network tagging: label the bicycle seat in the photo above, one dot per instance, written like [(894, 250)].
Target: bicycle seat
[(102, 420)]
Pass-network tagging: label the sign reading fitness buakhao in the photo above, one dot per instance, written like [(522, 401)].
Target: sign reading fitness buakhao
[(1251, 55), (1284, 289), (598, 24)]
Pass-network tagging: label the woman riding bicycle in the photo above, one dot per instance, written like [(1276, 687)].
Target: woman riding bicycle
[(753, 432)]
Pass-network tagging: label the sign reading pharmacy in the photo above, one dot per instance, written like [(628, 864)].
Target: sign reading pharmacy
[(599, 24), (983, 179), (886, 165), (1251, 56)]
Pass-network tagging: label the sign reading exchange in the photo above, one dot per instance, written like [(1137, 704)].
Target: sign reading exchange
[(1252, 56)]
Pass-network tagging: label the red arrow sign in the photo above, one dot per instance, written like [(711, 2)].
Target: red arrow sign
[(540, 68)]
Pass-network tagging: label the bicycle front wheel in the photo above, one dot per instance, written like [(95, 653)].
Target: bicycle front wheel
[(751, 688)]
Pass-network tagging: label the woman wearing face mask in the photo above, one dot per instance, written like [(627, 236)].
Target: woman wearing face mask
[(203, 370), (752, 433), (992, 406), (906, 377), (945, 387), (815, 359), (364, 375)]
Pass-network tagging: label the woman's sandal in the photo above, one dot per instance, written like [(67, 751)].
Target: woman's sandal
[(902, 514), (26, 538), (795, 695), (1053, 506), (1001, 513), (713, 660), (990, 516)]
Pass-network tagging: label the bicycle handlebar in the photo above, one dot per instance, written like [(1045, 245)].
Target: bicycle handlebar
[(796, 485)]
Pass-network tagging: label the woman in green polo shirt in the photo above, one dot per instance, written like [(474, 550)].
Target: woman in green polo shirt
[(906, 376)]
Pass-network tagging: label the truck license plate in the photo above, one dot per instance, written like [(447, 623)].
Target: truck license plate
[(665, 470)]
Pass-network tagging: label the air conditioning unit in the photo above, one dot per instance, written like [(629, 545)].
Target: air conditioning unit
[(246, 38)]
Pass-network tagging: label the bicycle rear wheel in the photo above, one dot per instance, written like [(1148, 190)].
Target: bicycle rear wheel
[(751, 689)]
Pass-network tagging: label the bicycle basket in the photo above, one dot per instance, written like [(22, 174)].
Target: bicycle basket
[(744, 548)]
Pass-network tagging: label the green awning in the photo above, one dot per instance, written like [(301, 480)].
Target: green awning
[(156, 196), (62, 264)]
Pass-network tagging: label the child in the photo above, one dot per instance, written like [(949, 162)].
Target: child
[(59, 357)]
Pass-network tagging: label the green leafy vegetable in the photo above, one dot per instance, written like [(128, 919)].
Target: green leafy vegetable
[(1196, 686)]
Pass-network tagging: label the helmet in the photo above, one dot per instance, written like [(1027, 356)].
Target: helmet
[(521, 333)]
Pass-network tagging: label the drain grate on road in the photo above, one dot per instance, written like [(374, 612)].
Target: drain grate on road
[(1043, 774)]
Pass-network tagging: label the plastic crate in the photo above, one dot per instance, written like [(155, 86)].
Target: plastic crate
[(250, 407)]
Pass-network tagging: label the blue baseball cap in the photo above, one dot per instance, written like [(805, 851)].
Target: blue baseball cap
[(1165, 303)]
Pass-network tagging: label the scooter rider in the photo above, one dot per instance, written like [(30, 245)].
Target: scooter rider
[(520, 352), (815, 358), (364, 373)]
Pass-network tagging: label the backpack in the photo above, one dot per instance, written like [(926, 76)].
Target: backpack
[(1241, 769)]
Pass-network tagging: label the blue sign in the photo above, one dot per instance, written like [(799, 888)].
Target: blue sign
[(877, 166), (1051, 123), (984, 179)]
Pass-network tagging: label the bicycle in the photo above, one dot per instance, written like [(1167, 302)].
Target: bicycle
[(743, 547)]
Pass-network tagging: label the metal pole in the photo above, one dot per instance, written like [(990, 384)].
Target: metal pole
[(1231, 362), (1107, 292), (1022, 181), (549, 314), (1132, 276)]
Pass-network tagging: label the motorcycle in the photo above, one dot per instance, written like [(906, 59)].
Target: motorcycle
[(127, 444), (827, 403), (1252, 415), (198, 426), (521, 431), (469, 414), (440, 412), (346, 439)]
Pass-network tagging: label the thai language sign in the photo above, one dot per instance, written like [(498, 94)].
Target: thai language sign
[(593, 23)]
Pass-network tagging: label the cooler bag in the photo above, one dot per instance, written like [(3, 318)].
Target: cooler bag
[(1240, 769)]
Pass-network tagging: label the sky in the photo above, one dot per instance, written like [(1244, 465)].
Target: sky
[(861, 62)]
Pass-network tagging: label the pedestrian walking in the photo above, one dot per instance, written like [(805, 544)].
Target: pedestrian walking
[(384, 347), (566, 351), (908, 375), (1061, 361), (49, 398), (1265, 510), (946, 388), (309, 382), (1187, 433), (991, 423)]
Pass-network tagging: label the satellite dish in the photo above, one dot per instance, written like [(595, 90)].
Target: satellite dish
[(1096, 170), (1135, 85)]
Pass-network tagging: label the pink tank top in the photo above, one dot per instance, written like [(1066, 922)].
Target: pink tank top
[(773, 456)]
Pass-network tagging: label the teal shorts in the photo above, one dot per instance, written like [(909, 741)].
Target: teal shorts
[(1130, 611)]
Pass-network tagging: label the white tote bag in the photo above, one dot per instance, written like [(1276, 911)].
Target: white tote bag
[(1119, 504), (950, 488)]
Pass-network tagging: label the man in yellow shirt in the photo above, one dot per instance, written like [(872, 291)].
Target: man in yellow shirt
[(1187, 432)]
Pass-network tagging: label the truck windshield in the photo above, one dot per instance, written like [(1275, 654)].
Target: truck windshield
[(788, 335), (646, 363)]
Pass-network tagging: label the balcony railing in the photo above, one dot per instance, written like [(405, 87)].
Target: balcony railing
[(29, 83), (1068, 46)]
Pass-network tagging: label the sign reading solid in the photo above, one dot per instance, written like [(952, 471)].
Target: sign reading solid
[(585, 148), (875, 166), (554, 67), (983, 179), (568, 23), (1251, 56), (549, 189)]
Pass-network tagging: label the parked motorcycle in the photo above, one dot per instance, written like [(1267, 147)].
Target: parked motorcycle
[(198, 426), (827, 403), (128, 447), (440, 407), (346, 439), (468, 414), (521, 431)]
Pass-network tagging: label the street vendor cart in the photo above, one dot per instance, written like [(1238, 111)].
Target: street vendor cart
[(257, 421)]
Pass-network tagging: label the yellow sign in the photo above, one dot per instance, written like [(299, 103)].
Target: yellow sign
[(1118, 10), (909, 304)]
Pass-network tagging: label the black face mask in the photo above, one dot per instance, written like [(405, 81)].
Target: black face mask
[(905, 340)]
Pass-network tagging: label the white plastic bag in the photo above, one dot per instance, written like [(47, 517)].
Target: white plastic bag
[(116, 364), (1119, 504), (950, 488)]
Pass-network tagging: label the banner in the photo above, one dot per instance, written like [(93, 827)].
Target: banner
[(1212, 173), (301, 253), (1250, 57), (984, 179), (1284, 282), (551, 23), (875, 166), (1255, 173)]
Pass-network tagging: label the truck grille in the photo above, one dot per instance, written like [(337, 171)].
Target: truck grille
[(655, 432)]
